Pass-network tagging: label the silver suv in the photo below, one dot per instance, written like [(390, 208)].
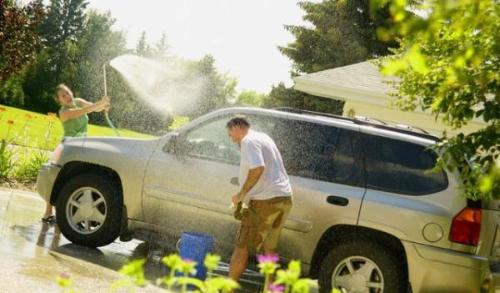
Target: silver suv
[(368, 214)]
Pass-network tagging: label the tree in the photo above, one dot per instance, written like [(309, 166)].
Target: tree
[(448, 63), (143, 48), (19, 39), (64, 22), (281, 96), (250, 98), (161, 48), (340, 33), (58, 61), (216, 90)]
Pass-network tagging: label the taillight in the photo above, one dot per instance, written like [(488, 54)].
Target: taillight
[(466, 227)]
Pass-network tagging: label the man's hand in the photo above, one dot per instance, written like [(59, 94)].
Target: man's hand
[(237, 198)]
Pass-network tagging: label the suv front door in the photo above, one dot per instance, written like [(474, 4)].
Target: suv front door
[(187, 188)]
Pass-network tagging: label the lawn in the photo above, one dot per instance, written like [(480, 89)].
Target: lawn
[(37, 130)]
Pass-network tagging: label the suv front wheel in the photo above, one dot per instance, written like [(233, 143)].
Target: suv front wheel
[(362, 266), (88, 210)]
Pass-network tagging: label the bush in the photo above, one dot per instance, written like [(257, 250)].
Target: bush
[(6, 164), (28, 166), (181, 271)]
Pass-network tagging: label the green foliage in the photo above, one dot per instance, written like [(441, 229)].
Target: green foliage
[(11, 92), (64, 22), (281, 96), (339, 33), (178, 121), (448, 63), (250, 98), (65, 282), (19, 39), (291, 279), (210, 285), (342, 33), (134, 273), (77, 42), (59, 60), (27, 166), (217, 89), (143, 48), (6, 162), (33, 130)]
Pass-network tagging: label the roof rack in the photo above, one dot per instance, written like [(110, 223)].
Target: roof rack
[(361, 120), (367, 119), (300, 111)]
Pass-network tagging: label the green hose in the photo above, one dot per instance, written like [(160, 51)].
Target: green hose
[(106, 94), (111, 124)]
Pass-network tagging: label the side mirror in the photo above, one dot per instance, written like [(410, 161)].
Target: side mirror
[(172, 145), (235, 181)]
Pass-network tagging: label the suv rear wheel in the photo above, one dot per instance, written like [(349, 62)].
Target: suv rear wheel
[(362, 266), (88, 210)]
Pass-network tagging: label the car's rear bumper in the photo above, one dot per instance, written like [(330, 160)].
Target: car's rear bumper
[(433, 269), (46, 178)]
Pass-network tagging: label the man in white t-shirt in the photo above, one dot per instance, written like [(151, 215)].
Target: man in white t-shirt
[(264, 188)]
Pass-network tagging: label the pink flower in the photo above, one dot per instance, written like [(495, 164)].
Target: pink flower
[(274, 288), (268, 258), (64, 275)]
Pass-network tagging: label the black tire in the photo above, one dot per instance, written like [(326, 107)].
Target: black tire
[(390, 263), (110, 228)]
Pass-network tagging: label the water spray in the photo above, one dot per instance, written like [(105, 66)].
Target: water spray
[(106, 94)]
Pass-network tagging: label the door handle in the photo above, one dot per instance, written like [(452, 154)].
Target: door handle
[(337, 200), (235, 181)]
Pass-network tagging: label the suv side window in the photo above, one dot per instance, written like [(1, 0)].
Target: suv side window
[(320, 152), (348, 159), (210, 141), (401, 167)]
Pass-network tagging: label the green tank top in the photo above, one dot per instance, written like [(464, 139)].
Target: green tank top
[(75, 127)]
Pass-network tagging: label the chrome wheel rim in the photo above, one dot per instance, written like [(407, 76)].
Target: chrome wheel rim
[(86, 210), (358, 274)]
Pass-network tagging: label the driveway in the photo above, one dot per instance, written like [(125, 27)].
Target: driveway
[(34, 254)]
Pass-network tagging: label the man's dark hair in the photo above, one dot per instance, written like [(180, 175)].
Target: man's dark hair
[(239, 121)]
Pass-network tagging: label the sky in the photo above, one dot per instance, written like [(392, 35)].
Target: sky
[(242, 35)]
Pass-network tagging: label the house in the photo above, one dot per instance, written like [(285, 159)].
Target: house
[(367, 93)]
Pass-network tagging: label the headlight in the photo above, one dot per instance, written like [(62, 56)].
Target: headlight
[(56, 154)]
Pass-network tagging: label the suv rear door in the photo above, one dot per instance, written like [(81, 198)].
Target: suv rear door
[(403, 197)]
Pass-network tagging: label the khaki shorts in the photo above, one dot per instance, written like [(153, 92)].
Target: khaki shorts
[(262, 223)]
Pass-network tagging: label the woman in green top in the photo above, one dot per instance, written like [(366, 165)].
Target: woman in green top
[(73, 115)]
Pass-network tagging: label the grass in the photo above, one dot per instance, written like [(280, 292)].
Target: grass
[(178, 122), (35, 130)]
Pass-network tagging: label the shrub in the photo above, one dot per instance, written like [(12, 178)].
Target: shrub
[(6, 164), (28, 166), (180, 270)]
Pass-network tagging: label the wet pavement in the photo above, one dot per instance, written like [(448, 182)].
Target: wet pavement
[(34, 253)]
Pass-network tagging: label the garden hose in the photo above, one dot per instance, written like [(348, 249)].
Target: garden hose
[(106, 94)]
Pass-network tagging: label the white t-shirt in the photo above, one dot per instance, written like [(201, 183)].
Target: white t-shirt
[(259, 150)]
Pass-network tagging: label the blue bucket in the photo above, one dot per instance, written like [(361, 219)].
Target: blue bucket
[(195, 246)]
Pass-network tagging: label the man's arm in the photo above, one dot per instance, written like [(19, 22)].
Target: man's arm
[(252, 179)]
